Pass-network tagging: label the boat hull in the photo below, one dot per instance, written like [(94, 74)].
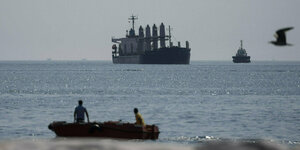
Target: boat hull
[(173, 55), (105, 130), (241, 59)]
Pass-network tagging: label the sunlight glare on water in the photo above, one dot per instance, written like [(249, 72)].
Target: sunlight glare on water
[(189, 103)]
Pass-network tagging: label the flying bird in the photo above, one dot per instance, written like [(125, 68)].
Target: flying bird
[(281, 38)]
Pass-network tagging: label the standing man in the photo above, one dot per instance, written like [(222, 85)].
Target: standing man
[(79, 113), (138, 117)]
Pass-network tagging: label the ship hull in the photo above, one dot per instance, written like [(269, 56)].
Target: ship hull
[(173, 55), (241, 59)]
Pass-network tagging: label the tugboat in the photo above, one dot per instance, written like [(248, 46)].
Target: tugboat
[(241, 55), (144, 49), (109, 129)]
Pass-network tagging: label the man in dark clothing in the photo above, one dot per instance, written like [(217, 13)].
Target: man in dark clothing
[(79, 113)]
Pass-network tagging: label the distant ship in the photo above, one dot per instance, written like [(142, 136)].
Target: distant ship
[(143, 48), (241, 55)]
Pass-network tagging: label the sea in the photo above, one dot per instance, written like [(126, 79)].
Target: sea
[(203, 101)]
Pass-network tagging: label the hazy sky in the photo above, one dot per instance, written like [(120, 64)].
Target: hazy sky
[(77, 29)]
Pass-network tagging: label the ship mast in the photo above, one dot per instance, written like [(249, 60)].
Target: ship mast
[(170, 42), (241, 44), (132, 18)]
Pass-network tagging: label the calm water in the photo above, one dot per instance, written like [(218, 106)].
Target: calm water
[(189, 103)]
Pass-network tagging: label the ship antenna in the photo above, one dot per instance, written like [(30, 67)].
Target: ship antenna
[(133, 18)]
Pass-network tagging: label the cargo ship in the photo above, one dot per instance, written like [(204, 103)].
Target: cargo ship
[(147, 48), (241, 55)]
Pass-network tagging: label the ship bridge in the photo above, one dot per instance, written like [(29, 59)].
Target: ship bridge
[(241, 51)]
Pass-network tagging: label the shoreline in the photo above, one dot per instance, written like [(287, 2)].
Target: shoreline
[(110, 144)]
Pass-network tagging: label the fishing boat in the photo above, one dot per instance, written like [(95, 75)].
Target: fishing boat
[(109, 129)]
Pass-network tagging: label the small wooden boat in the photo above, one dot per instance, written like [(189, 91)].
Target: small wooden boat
[(110, 129)]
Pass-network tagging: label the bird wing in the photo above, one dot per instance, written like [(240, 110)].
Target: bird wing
[(284, 29), (281, 34)]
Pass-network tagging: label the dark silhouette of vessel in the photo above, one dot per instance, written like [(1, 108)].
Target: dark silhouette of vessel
[(241, 55), (109, 129), (144, 49)]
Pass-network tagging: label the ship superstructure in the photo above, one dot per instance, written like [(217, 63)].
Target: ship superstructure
[(147, 48), (241, 55)]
